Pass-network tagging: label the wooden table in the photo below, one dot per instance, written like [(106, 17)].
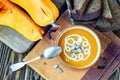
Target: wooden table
[(8, 57)]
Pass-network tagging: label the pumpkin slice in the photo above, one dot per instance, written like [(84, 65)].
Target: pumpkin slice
[(39, 10), (14, 17), (52, 7)]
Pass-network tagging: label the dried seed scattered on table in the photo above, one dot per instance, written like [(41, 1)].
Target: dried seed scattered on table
[(56, 66), (59, 70)]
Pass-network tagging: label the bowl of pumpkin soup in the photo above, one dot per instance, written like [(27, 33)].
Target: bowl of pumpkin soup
[(81, 47)]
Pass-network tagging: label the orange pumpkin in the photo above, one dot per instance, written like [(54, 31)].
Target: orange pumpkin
[(12, 16), (43, 12)]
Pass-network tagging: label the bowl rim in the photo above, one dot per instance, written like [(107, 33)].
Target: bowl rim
[(91, 32)]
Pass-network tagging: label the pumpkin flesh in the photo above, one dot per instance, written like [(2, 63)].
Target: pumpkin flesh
[(43, 12), (13, 17)]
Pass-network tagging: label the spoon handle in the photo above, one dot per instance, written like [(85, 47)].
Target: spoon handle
[(19, 65), (34, 59)]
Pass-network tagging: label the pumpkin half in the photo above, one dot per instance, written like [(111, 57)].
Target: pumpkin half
[(14, 17), (43, 12)]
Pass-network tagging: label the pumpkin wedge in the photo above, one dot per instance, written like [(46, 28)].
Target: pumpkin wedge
[(52, 7), (14, 17), (43, 12)]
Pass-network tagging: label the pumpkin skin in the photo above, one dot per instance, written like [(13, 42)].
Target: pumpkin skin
[(13, 17), (43, 12)]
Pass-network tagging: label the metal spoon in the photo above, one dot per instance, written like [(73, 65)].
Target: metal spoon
[(48, 53)]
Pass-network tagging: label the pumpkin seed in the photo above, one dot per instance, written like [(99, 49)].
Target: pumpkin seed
[(74, 51), (79, 40), (56, 66), (82, 47), (78, 43), (73, 47), (77, 47), (72, 55), (59, 70), (79, 50)]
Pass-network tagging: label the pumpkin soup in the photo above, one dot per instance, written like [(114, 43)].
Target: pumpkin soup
[(80, 46)]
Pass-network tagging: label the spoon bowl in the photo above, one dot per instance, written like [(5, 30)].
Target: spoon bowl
[(51, 52)]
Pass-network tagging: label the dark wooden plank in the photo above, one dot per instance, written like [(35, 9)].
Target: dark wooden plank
[(111, 69), (8, 57), (111, 53), (116, 75)]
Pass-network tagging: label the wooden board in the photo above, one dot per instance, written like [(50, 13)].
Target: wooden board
[(45, 67), (14, 40)]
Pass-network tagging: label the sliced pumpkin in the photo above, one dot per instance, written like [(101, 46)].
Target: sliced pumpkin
[(52, 7), (43, 12), (12, 16)]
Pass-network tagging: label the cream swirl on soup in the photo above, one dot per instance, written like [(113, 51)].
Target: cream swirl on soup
[(77, 47)]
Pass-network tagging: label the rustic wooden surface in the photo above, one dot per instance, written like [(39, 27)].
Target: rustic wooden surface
[(8, 57), (48, 64), (46, 73)]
